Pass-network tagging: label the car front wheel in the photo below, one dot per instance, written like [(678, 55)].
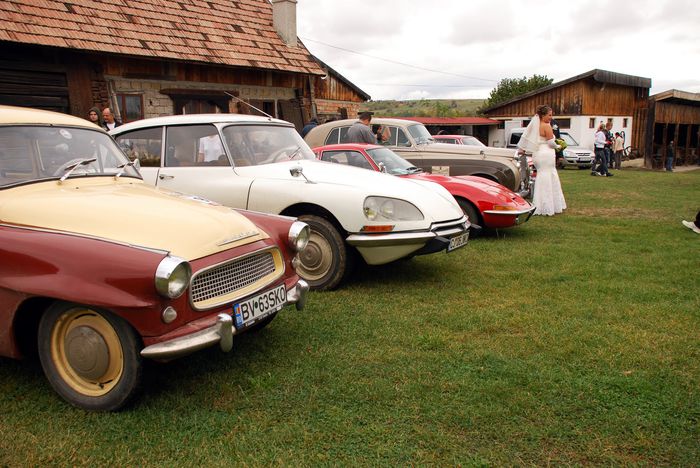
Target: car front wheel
[(325, 261), (90, 357), (472, 214)]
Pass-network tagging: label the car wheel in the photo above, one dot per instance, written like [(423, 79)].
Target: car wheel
[(90, 357), (325, 261), (472, 214)]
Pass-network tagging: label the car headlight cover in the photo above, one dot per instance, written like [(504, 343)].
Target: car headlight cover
[(383, 208), (569, 154), (298, 235), (173, 276)]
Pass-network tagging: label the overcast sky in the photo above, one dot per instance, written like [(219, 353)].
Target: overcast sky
[(461, 49)]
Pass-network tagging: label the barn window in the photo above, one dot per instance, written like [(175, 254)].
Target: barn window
[(564, 123), (130, 107), (591, 122), (624, 123)]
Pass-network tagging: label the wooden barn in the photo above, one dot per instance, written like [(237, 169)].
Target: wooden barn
[(580, 103), (335, 96), (673, 116), (147, 58)]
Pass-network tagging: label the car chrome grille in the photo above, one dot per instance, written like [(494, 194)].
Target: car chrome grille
[(227, 278)]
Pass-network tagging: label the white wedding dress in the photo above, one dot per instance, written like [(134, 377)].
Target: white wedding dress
[(548, 197)]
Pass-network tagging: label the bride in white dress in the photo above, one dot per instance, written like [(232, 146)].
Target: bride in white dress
[(538, 139)]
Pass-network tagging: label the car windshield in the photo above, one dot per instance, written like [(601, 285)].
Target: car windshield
[(31, 153), (568, 139), (255, 145), (471, 141), (420, 134), (392, 162)]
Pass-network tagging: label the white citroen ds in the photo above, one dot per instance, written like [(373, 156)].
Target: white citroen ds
[(262, 164)]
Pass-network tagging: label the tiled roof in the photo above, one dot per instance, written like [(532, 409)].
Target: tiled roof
[(453, 120), (227, 32)]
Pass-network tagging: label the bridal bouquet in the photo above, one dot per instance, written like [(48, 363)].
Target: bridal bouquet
[(562, 144)]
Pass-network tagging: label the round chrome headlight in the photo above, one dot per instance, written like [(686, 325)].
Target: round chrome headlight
[(173, 276), (298, 235)]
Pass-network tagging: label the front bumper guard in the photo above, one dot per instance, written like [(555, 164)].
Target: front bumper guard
[(519, 215), (222, 332)]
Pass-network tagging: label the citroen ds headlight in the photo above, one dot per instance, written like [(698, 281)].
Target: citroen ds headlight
[(298, 235), (173, 276), (383, 208)]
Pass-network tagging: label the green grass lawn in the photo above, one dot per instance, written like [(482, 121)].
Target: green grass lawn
[(571, 340)]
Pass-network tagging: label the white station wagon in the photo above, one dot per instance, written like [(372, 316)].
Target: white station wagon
[(262, 164)]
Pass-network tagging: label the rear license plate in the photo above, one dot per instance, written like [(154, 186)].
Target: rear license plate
[(458, 241), (259, 306)]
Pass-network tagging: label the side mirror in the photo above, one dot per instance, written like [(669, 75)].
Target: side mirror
[(382, 167)]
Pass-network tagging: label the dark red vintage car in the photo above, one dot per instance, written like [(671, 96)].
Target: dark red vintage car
[(486, 203), (99, 271)]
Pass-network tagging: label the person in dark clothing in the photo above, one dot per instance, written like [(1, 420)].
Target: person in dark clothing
[(693, 226), (309, 126), (559, 153), (669, 157), (95, 116), (360, 131)]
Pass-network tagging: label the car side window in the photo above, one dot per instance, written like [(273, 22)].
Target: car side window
[(337, 135), (194, 145), (347, 158), (144, 145), (398, 137), (332, 137)]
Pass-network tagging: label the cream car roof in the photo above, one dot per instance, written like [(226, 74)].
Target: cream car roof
[(191, 119), (25, 115)]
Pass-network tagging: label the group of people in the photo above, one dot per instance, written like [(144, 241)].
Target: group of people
[(608, 151), (104, 119)]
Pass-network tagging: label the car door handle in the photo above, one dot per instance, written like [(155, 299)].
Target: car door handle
[(165, 176)]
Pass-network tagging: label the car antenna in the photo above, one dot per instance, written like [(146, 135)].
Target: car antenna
[(249, 105)]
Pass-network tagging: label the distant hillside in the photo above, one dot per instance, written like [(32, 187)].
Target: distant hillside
[(425, 108)]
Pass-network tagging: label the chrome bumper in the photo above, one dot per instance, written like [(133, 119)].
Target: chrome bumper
[(222, 332), (447, 230), (521, 216)]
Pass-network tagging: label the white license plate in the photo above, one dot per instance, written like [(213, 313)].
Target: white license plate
[(458, 241), (257, 307)]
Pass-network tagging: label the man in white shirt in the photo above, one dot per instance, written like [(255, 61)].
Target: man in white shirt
[(109, 123), (210, 148)]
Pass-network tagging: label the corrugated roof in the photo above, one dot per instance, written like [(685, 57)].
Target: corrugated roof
[(453, 120), (226, 32)]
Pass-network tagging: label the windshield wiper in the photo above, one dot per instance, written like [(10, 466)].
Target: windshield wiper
[(122, 169), (71, 167), (294, 154)]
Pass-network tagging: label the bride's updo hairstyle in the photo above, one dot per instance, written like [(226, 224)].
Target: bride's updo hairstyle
[(543, 110)]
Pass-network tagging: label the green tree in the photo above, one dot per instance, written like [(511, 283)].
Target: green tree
[(508, 88)]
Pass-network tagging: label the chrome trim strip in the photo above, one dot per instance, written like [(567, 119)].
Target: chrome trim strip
[(511, 213), (378, 240), (87, 236)]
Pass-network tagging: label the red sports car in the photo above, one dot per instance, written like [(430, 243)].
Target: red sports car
[(486, 203), (458, 140)]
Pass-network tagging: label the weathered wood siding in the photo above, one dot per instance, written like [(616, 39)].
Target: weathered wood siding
[(334, 89), (584, 97)]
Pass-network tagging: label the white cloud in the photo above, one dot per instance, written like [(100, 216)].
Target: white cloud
[(484, 41)]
